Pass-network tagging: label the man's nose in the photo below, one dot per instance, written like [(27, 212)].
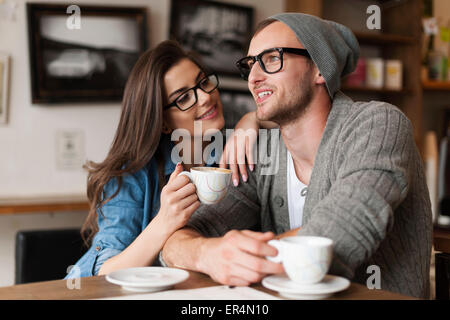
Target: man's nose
[(256, 74)]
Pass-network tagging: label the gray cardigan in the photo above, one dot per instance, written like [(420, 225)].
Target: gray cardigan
[(367, 192)]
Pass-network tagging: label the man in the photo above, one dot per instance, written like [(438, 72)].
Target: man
[(357, 160)]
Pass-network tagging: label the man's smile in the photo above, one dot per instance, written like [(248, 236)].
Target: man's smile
[(262, 95)]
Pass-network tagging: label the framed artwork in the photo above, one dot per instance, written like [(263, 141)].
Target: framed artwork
[(235, 104), (85, 61), (218, 32), (4, 87)]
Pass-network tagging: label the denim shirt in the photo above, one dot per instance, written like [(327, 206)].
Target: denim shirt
[(127, 214)]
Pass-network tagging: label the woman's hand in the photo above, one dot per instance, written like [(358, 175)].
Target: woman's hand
[(178, 201), (239, 146)]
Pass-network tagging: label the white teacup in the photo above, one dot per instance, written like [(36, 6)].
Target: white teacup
[(305, 259), (211, 183)]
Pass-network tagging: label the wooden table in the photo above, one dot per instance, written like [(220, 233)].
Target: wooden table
[(97, 287)]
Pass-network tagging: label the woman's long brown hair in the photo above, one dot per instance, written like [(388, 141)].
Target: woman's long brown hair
[(139, 130)]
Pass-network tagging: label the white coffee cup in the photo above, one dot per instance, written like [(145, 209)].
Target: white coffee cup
[(211, 183), (305, 259)]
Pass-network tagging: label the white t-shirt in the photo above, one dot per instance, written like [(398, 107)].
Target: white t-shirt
[(296, 191)]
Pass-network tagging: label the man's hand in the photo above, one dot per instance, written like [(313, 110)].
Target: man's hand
[(238, 258)]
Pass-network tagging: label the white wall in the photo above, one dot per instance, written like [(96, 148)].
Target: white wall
[(27, 142), (28, 168)]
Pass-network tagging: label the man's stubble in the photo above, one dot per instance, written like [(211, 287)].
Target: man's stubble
[(294, 108)]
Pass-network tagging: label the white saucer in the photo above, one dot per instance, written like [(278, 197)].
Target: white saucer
[(147, 279), (289, 289)]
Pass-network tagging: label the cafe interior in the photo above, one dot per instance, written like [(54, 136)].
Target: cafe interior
[(63, 67)]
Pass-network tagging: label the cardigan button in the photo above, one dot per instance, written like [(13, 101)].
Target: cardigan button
[(304, 192), (279, 201), (97, 248)]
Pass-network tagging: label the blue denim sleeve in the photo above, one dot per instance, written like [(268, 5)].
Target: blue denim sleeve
[(120, 222)]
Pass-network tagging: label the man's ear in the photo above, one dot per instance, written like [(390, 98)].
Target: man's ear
[(319, 79)]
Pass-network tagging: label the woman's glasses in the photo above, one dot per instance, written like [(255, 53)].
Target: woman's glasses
[(189, 98), (270, 60)]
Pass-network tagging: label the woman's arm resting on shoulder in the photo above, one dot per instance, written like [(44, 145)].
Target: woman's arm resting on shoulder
[(241, 145)]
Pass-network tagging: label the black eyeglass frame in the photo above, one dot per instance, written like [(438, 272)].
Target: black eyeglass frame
[(281, 50), (197, 86)]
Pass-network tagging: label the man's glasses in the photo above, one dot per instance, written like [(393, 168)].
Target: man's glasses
[(270, 60), (189, 98)]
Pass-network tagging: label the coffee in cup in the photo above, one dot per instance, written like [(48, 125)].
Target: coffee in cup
[(305, 259), (211, 183)]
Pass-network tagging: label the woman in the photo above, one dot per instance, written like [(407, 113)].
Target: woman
[(137, 198)]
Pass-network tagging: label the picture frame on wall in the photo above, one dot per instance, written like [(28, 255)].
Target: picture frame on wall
[(4, 87), (83, 58), (218, 32), (235, 103)]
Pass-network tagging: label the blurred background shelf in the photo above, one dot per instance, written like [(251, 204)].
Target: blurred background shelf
[(436, 85), (399, 38), (384, 39), (347, 88), (43, 204)]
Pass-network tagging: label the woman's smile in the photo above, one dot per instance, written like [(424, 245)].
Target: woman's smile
[(186, 75), (211, 113)]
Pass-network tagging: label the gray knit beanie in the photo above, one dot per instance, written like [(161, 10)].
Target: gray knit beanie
[(332, 46)]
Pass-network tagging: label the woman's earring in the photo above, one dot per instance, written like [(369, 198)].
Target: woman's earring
[(165, 129)]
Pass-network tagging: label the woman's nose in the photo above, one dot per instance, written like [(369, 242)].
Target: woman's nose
[(203, 97)]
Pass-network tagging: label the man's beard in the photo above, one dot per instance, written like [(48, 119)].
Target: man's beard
[(287, 112)]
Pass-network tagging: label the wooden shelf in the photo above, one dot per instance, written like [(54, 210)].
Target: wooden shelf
[(384, 39), (373, 90), (43, 204), (401, 40), (436, 85)]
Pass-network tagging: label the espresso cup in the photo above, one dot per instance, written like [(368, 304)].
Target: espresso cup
[(211, 183), (305, 259)]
